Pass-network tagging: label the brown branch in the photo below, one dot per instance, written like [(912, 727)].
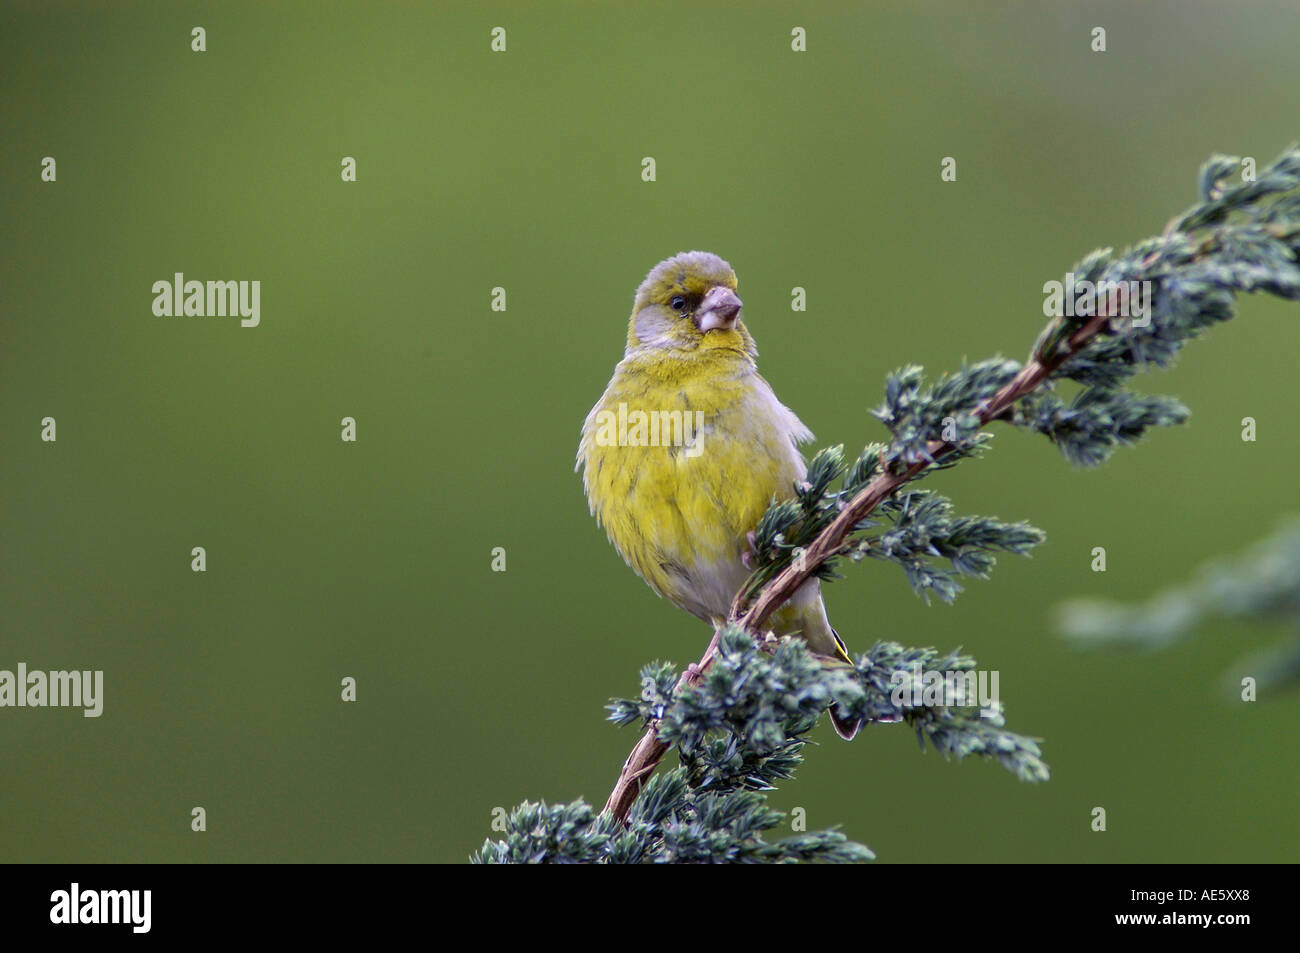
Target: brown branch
[(649, 751), (787, 582)]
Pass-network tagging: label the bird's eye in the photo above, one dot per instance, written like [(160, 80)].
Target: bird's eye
[(678, 303)]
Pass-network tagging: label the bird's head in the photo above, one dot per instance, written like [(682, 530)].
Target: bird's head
[(689, 302)]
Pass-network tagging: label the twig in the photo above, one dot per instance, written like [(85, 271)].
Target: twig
[(787, 582), (831, 540), (649, 750)]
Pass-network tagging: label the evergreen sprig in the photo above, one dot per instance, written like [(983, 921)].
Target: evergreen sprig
[(1261, 585), (739, 732), (1099, 419), (1241, 237), (922, 529), (670, 823), (946, 411)]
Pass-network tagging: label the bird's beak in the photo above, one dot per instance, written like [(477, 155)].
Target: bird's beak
[(718, 310)]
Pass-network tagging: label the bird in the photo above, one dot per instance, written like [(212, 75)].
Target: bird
[(689, 445)]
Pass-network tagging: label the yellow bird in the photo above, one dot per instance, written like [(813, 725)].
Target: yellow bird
[(688, 446)]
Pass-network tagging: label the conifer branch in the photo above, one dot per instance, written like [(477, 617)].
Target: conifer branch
[(1240, 238), (738, 718)]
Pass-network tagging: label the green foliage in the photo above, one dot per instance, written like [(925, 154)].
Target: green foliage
[(670, 823), (559, 834), (1261, 585), (955, 732), (740, 732), (1088, 429), (917, 415), (923, 529), (1242, 238), (915, 529)]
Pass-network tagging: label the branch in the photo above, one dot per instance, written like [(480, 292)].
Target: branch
[(828, 543), (1240, 238), (649, 751)]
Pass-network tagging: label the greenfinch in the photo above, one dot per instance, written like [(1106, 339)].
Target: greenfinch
[(688, 446)]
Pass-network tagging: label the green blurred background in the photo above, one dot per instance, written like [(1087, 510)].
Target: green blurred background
[(477, 689)]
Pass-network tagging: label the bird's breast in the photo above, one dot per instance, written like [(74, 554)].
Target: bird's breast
[(680, 468)]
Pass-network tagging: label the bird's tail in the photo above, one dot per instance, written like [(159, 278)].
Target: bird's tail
[(805, 615), (846, 728)]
